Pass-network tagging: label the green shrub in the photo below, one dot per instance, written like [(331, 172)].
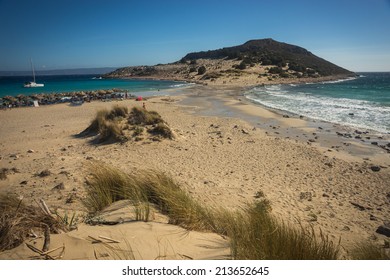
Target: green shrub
[(201, 70), (275, 70)]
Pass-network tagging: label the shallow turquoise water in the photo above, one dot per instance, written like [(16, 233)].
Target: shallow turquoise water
[(69, 83)]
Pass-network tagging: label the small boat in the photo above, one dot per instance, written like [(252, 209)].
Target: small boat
[(32, 84)]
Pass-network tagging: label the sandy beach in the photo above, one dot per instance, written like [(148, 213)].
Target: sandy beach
[(226, 151)]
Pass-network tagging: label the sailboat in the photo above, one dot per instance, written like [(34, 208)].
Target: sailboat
[(32, 84)]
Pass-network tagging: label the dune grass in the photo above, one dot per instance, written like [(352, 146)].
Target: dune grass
[(96, 123), (257, 234), (369, 251), (161, 129), (17, 220), (107, 185), (253, 233), (110, 126), (140, 116)]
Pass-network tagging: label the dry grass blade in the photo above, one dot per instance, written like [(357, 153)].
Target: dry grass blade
[(107, 185), (17, 220)]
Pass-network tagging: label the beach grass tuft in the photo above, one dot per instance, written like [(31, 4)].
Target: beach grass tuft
[(120, 125), (257, 234), (140, 116), (110, 132), (107, 185), (369, 251), (96, 123), (17, 221), (161, 129), (118, 112), (253, 232)]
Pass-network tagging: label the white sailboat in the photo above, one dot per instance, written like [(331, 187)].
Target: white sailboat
[(32, 84)]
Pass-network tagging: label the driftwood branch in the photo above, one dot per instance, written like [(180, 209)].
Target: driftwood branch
[(36, 250), (46, 243)]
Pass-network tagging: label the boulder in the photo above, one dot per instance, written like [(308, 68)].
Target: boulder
[(375, 168)]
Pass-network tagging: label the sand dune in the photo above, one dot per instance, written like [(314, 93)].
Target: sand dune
[(226, 151)]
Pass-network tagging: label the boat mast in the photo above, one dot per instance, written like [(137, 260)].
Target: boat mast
[(32, 67)]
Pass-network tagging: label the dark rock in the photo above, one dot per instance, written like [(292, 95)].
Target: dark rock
[(60, 186), (384, 229), (23, 183), (244, 131), (374, 143), (358, 206), (351, 114), (44, 173), (373, 218), (286, 116), (375, 168)]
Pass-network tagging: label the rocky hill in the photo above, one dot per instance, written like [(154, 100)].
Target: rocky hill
[(255, 62)]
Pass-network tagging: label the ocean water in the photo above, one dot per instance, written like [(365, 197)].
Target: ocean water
[(68, 83), (362, 102)]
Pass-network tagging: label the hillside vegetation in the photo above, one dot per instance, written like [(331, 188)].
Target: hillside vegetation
[(256, 61)]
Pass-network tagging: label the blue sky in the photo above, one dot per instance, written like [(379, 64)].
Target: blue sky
[(354, 34)]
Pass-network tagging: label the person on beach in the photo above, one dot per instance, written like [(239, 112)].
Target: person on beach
[(144, 106)]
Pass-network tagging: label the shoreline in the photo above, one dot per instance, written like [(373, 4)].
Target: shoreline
[(226, 150), (338, 136)]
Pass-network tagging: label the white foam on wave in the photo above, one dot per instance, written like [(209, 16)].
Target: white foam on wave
[(351, 112), (182, 85), (340, 80)]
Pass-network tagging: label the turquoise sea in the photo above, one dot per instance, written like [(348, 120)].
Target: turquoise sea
[(362, 102), (13, 86)]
